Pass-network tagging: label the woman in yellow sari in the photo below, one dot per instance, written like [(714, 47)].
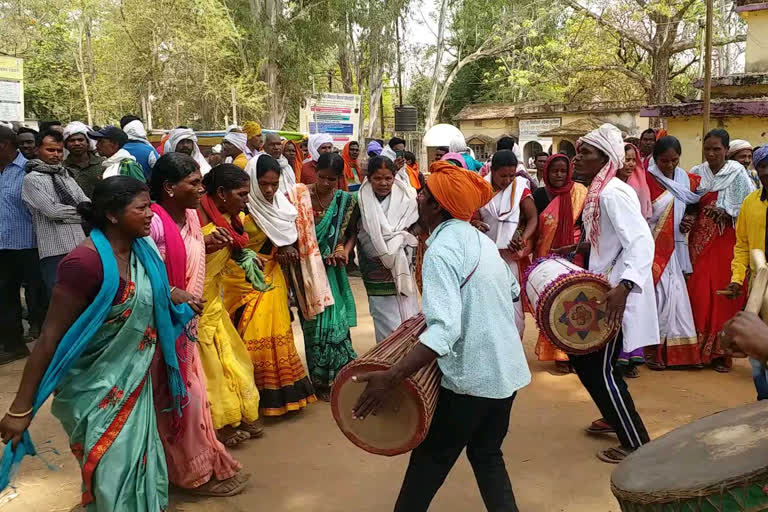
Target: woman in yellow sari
[(559, 203), (263, 319), (231, 390)]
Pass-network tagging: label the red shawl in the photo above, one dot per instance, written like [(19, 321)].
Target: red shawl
[(234, 228), (564, 232)]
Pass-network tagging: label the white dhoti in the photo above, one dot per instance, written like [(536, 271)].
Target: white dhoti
[(390, 311)]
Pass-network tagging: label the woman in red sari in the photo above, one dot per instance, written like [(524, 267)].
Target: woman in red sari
[(723, 186), (559, 204)]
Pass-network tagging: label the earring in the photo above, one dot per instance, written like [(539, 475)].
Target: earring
[(170, 194)]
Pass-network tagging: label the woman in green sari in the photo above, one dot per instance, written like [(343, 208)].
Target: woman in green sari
[(326, 337), (111, 309)]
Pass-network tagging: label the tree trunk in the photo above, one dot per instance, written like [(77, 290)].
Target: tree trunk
[(432, 108), (80, 64)]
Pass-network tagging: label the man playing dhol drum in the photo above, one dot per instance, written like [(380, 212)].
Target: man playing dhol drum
[(622, 250), (468, 299)]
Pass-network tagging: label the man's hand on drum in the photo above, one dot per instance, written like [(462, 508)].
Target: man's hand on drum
[(615, 301), (747, 333), (380, 385)]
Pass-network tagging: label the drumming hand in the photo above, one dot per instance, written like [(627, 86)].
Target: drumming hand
[(734, 290), (615, 301), (748, 333), (380, 385)]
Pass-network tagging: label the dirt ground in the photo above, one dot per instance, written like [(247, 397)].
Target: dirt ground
[(304, 463)]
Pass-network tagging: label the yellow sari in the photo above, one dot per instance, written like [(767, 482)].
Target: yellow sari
[(264, 321), (230, 386)]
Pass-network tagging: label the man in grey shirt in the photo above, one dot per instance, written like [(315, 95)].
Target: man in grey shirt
[(52, 196)]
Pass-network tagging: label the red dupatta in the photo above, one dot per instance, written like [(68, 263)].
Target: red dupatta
[(234, 228), (564, 230), (298, 160)]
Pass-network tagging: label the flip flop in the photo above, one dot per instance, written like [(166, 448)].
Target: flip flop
[(613, 455), (255, 429), (232, 437), (600, 427)]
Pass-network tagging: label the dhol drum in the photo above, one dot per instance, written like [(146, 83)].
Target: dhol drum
[(403, 421), (716, 464), (565, 299)]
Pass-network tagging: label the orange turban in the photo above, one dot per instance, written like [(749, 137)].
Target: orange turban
[(460, 192)]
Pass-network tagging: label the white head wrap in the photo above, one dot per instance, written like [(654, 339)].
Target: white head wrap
[(738, 145), (315, 141), (74, 128), (607, 139), (179, 134), (458, 144), (237, 139), (136, 132), (278, 218)]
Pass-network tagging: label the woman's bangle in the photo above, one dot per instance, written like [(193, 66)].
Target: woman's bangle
[(20, 414), (172, 288)]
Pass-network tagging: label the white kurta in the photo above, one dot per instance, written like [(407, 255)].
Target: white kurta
[(676, 325), (625, 251)]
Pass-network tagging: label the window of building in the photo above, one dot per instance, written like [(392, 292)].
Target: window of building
[(478, 122)]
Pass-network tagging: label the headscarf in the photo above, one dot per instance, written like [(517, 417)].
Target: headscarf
[(454, 157), (237, 139), (315, 141), (297, 160), (738, 145), (179, 134), (351, 166), (74, 128), (374, 147), (251, 129), (760, 155), (458, 144), (136, 132), (680, 188), (457, 190), (732, 183), (278, 218), (564, 231), (386, 224), (607, 139), (638, 182)]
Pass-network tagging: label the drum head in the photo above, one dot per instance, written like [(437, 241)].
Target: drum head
[(726, 450), (396, 427), (569, 314)]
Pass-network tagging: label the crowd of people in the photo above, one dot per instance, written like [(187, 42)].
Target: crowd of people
[(198, 263)]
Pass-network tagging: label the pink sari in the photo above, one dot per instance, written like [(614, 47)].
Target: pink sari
[(192, 452)]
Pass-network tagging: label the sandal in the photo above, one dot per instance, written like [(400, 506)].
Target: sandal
[(563, 367), (614, 455), (231, 437), (220, 488), (631, 372), (323, 393), (255, 429), (600, 427), (720, 366)]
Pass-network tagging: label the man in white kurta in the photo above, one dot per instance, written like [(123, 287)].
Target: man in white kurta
[(622, 250)]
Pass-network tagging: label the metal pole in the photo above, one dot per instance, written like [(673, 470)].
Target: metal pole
[(399, 68), (707, 72)]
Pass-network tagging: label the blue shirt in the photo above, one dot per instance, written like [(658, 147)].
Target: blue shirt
[(16, 229), (141, 151), (472, 329)]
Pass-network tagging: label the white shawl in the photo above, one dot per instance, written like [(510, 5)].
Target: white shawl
[(112, 164), (680, 188), (179, 134), (502, 213), (386, 223), (278, 218), (287, 175), (732, 183)]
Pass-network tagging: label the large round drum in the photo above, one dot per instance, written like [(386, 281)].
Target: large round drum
[(564, 298), (403, 421), (718, 463)]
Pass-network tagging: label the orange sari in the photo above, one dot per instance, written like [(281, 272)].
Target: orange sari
[(548, 220), (298, 160)]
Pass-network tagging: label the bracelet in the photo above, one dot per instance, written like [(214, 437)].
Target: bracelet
[(173, 288), (19, 414)]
